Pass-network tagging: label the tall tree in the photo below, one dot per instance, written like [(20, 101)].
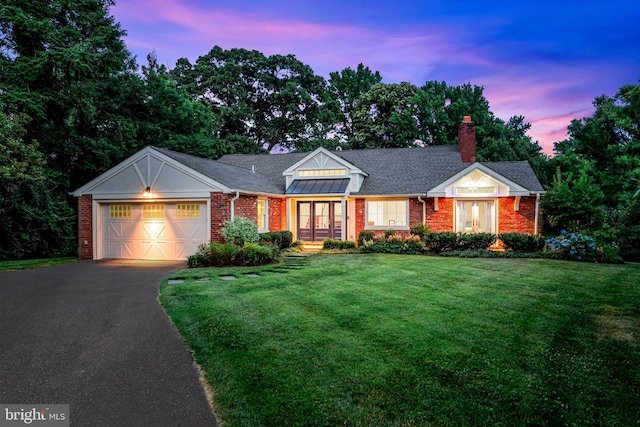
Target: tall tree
[(35, 220), (159, 112), (57, 61), (384, 117), (345, 87), (268, 101), (610, 140), (440, 108)]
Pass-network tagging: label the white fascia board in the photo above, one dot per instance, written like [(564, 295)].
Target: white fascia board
[(259, 193), (86, 189), (385, 196), (514, 189), (195, 195)]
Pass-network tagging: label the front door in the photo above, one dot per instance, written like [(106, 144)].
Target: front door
[(319, 220), (475, 216)]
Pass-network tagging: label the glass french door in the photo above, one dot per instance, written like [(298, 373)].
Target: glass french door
[(475, 216), (319, 220)]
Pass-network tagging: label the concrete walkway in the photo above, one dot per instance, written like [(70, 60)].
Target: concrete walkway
[(91, 334)]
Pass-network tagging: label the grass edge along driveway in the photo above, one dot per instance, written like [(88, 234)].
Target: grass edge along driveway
[(401, 340)]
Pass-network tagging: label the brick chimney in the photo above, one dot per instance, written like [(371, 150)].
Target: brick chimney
[(467, 140)]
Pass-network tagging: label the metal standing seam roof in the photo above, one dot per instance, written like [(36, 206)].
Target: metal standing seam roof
[(318, 186)]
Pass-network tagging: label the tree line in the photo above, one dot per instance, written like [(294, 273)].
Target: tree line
[(74, 102)]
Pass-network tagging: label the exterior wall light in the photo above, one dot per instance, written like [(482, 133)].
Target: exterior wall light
[(147, 193)]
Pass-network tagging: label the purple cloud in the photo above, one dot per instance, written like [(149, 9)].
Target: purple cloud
[(544, 72)]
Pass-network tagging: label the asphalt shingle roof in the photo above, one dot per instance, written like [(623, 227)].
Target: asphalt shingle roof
[(236, 178), (391, 171)]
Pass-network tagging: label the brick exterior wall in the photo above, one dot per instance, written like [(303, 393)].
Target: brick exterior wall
[(219, 214), (277, 214), (467, 140), (415, 212), (442, 219), (246, 206), (521, 221), (85, 226), (360, 209)]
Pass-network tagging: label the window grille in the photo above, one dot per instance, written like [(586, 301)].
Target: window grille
[(152, 211), (188, 211), (120, 211)]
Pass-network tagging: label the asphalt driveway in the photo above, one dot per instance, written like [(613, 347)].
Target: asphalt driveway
[(91, 334)]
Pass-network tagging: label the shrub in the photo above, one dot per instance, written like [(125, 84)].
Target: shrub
[(365, 235), (282, 239), (420, 230), (473, 241), (485, 253), (200, 258), (214, 255), (411, 245), (629, 225), (609, 253), (574, 247), (221, 255), (225, 255), (240, 230), (441, 242), (522, 242), (388, 234), (255, 254), (338, 244)]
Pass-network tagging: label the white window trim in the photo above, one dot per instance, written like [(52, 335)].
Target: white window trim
[(266, 214), (494, 212), (385, 227)]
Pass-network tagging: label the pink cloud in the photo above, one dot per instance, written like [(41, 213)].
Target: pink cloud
[(176, 29)]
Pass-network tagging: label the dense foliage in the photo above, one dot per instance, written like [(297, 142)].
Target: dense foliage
[(240, 230), (280, 239), (521, 242), (596, 186), (74, 103), (243, 246)]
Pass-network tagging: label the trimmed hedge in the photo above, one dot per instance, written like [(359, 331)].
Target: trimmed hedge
[(228, 255), (441, 242), (338, 244), (450, 241), (282, 239), (412, 246), (475, 241), (522, 242), (365, 235)]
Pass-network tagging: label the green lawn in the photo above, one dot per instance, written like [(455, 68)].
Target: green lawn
[(33, 263), (397, 340)]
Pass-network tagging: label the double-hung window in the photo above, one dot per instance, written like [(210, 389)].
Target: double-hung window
[(262, 215)]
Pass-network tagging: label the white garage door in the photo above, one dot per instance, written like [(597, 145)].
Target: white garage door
[(169, 231)]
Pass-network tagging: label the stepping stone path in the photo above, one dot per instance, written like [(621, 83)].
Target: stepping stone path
[(290, 262)]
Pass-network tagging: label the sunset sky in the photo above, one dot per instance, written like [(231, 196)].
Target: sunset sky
[(544, 60)]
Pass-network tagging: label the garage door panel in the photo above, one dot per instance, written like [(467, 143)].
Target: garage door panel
[(155, 230), (121, 249), (189, 230), (174, 232), (154, 250)]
